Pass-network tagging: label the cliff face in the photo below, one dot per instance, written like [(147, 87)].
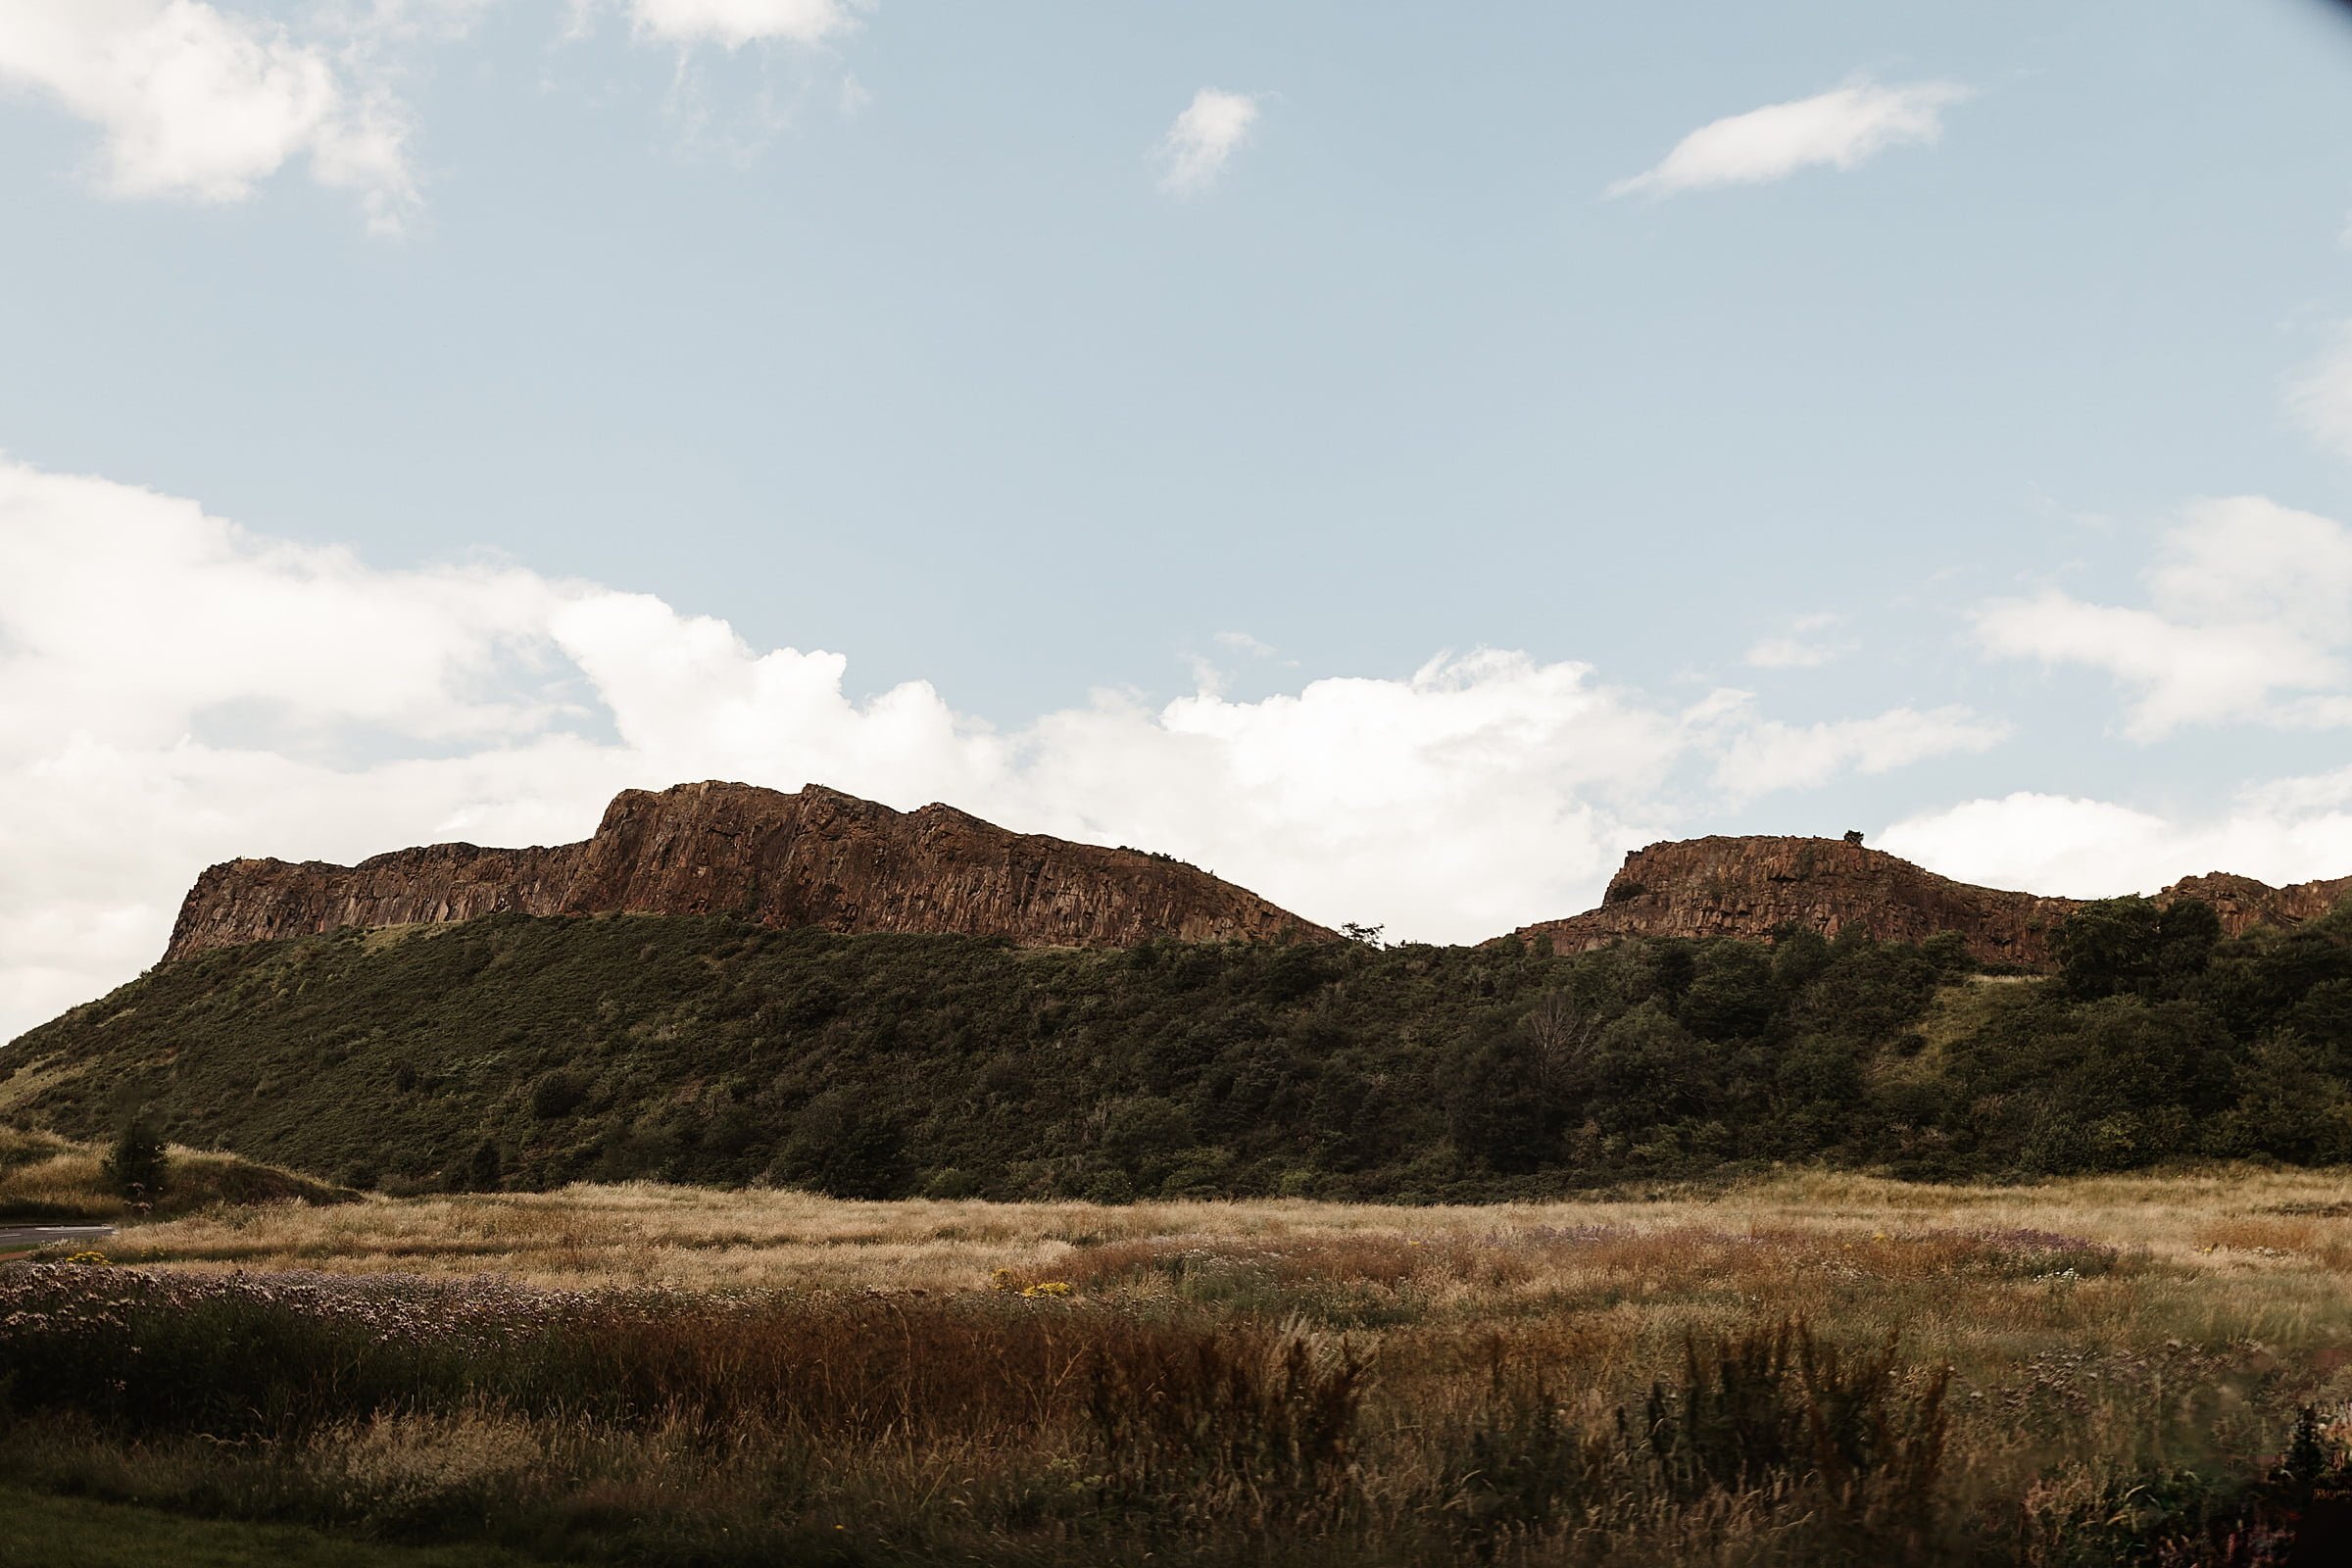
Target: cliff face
[(816, 858), (2243, 902), (1750, 887)]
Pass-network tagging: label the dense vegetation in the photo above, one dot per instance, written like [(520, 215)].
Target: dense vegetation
[(520, 1052)]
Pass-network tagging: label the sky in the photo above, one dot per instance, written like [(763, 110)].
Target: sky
[(1400, 458)]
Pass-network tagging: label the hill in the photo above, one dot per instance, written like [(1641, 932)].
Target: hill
[(528, 1052), (1752, 887), (810, 857)]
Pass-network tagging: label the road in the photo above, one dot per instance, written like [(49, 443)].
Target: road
[(18, 1236)]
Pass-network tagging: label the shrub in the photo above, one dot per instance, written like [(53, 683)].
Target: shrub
[(843, 1150), (137, 1166), (559, 1095)]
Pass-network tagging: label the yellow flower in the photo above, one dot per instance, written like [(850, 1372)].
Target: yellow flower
[(1047, 1288), (87, 1257)]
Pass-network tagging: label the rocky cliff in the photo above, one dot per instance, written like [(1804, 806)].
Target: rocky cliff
[(1751, 887), (817, 858)]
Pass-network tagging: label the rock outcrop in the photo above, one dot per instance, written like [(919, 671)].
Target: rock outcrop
[(1754, 887), (816, 858)]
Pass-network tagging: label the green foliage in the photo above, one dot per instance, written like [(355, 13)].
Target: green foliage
[(485, 1172), (136, 1167), (843, 1150), (523, 1053), (2129, 947)]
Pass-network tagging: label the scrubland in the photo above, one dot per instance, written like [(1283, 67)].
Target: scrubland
[(1802, 1369)]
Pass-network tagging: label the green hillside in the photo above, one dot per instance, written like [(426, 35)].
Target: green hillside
[(521, 1052)]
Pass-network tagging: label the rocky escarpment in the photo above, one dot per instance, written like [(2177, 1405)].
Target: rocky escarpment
[(1754, 887), (815, 857), (2243, 903)]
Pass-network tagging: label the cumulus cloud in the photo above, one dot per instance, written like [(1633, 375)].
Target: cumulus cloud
[(2320, 397), (1773, 755), (176, 690), (1841, 130), (201, 104), (2288, 831), (1213, 127), (2248, 618)]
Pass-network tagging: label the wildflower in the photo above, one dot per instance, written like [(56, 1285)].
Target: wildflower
[(87, 1258), (1047, 1288)]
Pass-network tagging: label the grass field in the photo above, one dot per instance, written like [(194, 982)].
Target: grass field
[(46, 1532), (2084, 1372)]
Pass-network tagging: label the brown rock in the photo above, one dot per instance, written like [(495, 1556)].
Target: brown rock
[(1752, 887), (2243, 903), (817, 858)]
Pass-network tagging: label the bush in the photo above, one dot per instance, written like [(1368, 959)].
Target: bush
[(843, 1149), (137, 1166), (559, 1095)]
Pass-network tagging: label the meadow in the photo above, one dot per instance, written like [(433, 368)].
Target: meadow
[(1803, 1368)]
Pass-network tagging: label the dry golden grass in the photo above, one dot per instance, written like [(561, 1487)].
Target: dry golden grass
[(2227, 1223), (1983, 1278), (2092, 1329)]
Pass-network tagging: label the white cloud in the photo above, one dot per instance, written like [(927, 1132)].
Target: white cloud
[(2292, 831), (732, 24), (1210, 130), (2249, 615), (201, 104), (1842, 129), (1791, 652), (2320, 397), (174, 691), (1798, 648), (1773, 755)]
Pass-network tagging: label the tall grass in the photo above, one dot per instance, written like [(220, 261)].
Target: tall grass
[(1816, 1370)]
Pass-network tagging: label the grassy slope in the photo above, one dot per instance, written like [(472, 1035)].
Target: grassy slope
[(690, 1048), (517, 1052)]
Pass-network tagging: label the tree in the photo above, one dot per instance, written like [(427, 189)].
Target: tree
[(137, 1166), (485, 1172), (1563, 1036), (1730, 996), (2130, 947), (1648, 1072), (1497, 1112), (843, 1149)]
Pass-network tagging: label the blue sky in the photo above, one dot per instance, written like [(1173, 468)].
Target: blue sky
[(1135, 398)]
